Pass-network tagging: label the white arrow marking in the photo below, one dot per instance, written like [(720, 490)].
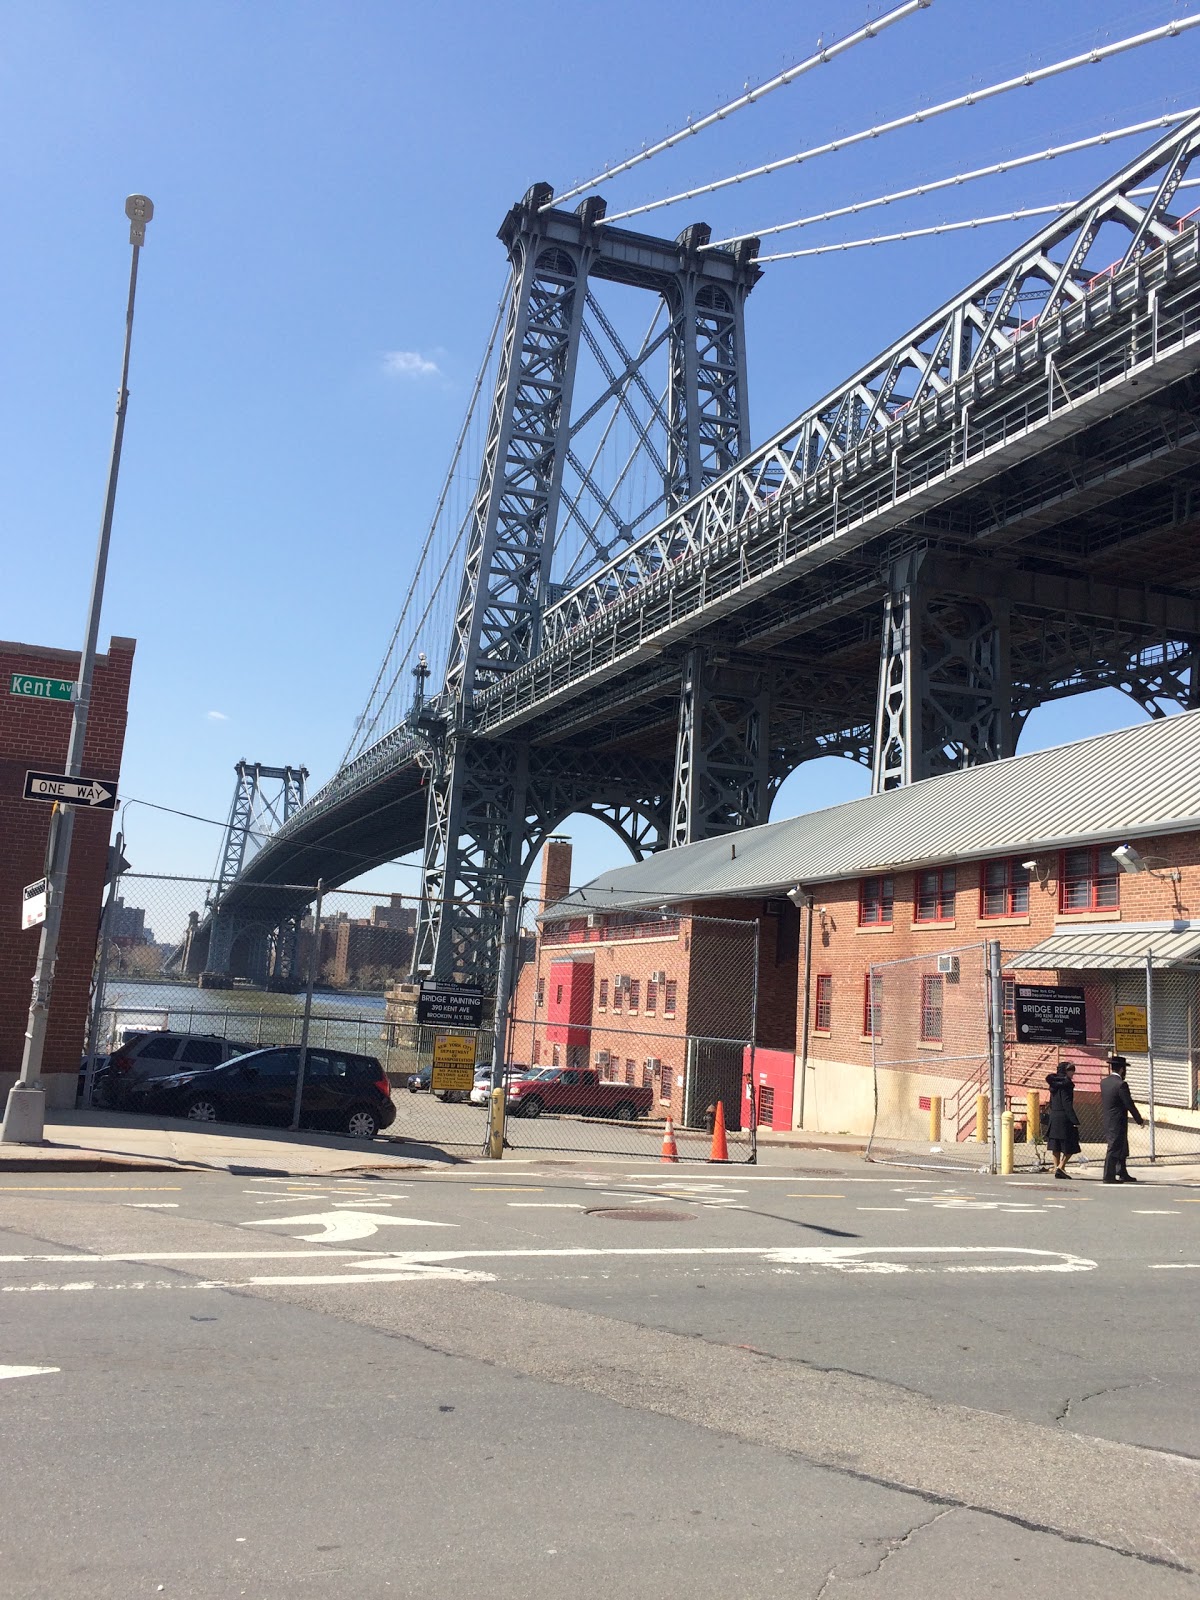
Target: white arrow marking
[(26, 1372), (338, 1226)]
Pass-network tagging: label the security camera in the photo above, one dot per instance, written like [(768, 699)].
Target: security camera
[(1030, 866), (1129, 860), (797, 895)]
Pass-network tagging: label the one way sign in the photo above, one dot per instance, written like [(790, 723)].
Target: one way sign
[(70, 791)]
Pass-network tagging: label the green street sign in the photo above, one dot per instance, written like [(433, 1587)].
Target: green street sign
[(40, 688)]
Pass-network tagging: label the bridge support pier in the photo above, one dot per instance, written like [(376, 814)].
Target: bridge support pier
[(722, 771), (945, 681)]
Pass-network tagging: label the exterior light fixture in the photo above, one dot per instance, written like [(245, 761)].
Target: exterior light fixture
[(1135, 863)]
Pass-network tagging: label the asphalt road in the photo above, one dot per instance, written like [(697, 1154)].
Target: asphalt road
[(542, 1379)]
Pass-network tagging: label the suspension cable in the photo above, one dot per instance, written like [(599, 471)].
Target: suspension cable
[(818, 59), (975, 97), (949, 227), (1011, 165), (441, 501)]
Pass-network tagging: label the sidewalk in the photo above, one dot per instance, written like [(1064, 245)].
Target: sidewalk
[(96, 1141)]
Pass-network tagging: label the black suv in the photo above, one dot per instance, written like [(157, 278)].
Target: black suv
[(344, 1092), (159, 1054)]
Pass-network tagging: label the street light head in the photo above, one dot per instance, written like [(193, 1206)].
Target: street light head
[(139, 208), (1129, 859)]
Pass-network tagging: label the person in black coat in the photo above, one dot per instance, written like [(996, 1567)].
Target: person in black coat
[(1116, 1103), (1062, 1119)]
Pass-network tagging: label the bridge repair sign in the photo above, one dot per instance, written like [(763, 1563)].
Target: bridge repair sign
[(1046, 1013), (453, 1063)]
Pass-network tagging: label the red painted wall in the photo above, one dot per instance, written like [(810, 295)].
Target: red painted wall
[(774, 1072), (569, 1002)]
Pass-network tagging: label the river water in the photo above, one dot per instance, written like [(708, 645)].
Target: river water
[(352, 1021)]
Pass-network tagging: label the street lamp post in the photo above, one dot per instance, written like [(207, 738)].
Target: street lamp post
[(25, 1113)]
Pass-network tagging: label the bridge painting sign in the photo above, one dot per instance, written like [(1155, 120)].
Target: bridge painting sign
[(1049, 1014), (449, 1005)]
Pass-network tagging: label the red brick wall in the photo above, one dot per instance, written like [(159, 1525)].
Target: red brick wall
[(34, 734), (846, 951)]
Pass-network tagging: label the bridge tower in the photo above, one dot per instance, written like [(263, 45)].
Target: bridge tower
[(491, 803), (263, 800)]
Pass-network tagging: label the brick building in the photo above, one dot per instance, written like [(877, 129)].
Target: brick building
[(33, 735), (874, 989)]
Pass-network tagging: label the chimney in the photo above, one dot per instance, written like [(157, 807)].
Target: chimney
[(556, 872)]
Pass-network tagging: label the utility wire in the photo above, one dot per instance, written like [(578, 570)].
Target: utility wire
[(931, 187), (821, 56), (948, 227), (975, 97)]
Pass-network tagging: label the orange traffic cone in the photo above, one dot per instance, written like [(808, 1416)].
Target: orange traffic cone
[(720, 1150), (669, 1151)]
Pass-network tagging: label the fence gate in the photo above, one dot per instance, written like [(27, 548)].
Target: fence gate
[(622, 1020)]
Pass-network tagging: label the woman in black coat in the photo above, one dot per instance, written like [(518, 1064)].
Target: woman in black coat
[(1062, 1119)]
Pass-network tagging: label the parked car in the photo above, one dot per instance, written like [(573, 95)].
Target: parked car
[(418, 1082), (579, 1091), (344, 1092), (481, 1089), (145, 1056)]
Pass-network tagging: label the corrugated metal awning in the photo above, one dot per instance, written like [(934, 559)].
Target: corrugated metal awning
[(1112, 948)]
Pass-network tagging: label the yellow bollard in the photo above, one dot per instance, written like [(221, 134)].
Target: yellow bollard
[(981, 1119), (496, 1126), (1006, 1143), (1033, 1116), (935, 1118)]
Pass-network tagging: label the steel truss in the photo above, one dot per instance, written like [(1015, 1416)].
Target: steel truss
[(478, 831), (255, 807)]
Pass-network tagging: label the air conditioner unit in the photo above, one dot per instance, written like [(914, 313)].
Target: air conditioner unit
[(602, 1058), (654, 1063), (948, 967), (622, 981), (658, 977), (594, 919)]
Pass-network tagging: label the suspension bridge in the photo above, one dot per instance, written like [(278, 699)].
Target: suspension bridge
[(624, 609)]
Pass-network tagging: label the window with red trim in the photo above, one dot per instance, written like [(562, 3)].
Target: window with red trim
[(541, 992), (872, 1005), (672, 989), (651, 995), (875, 902), (603, 1000), (635, 993), (823, 1020), (931, 1008), (934, 897), (1003, 889), (1088, 880)]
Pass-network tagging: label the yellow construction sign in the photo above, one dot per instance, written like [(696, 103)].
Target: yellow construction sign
[(1129, 1031), (453, 1063)]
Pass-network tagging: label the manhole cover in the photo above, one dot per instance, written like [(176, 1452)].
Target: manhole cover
[(640, 1214)]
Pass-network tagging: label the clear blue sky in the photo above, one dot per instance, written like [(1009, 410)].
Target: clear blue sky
[(322, 270)]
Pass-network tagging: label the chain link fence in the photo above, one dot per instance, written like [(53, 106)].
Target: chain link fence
[(163, 969), (942, 1045), (621, 1021)]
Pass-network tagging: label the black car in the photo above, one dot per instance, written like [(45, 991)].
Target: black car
[(344, 1092)]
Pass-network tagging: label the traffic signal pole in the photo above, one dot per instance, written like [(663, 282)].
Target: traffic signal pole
[(25, 1112)]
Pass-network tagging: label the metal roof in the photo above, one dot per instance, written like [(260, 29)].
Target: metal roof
[(1110, 947), (1135, 782)]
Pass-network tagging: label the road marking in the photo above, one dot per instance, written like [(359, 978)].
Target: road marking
[(808, 1195), (78, 1259), (507, 1188), (95, 1188), (401, 1275), (1138, 1213), (1175, 1266), (545, 1205), (900, 1209), (26, 1372), (335, 1226), (850, 1258), (153, 1205)]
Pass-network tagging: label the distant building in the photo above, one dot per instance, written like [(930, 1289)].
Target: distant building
[(127, 925)]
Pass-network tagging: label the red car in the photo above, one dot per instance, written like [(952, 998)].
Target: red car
[(575, 1090)]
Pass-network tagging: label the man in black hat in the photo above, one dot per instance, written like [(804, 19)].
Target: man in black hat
[(1117, 1104)]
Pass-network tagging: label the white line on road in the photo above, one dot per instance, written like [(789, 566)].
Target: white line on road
[(338, 1226), (26, 1372), (546, 1205), (1155, 1213)]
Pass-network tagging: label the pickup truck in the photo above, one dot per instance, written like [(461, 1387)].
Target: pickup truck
[(574, 1090)]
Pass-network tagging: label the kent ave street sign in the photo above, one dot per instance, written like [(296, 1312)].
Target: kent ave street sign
[(35, 688), (50, 786)]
